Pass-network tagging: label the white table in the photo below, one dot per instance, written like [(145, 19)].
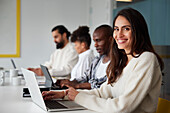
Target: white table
[(11, 101)]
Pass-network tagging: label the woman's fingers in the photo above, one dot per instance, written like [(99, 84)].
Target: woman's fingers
[(49, 97), (46, 93), (71, 93)]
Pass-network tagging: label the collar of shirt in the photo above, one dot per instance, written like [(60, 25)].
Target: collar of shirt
[(81, 55)]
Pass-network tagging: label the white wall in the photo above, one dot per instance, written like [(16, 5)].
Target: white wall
[(7, 32), (38, 17), (100, 12)]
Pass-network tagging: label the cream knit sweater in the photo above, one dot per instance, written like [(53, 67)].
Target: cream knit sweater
[(136, 91), (62, 61)]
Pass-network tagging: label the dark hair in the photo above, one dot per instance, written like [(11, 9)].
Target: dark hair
[(61, 29), (140, 40), (117, 64), (82, 35), (107, 32)]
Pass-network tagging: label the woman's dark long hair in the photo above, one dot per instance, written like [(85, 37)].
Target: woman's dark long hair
[(118, 59), (140, 41)]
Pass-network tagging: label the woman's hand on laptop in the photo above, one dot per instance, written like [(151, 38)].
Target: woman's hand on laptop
[(71, 93), (48, 95)]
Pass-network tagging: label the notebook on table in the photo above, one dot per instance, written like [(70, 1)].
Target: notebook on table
[(50, 105)]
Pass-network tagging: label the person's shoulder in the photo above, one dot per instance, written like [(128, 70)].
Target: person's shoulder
[(96, 59), (89, 54), (147, 55), (88, 58), (55, 51), (70, 47)]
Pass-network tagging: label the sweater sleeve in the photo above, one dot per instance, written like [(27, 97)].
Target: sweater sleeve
[(137, 86)]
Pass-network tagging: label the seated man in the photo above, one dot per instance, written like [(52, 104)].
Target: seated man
[(96, 74), (64, 57)]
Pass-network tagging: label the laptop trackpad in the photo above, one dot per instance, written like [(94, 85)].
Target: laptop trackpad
[(69, 104), (53, 104)]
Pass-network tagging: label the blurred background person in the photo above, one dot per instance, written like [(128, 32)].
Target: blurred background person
[(96, 73), (64, 57), (82, 41)]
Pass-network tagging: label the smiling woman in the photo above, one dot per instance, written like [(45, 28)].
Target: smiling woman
[(10, 33), (134, 74), (123, 33)]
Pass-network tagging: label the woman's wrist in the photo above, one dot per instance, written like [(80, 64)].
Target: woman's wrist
[(63, 94)]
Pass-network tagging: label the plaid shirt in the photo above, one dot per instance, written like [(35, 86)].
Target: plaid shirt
[(90, 74)]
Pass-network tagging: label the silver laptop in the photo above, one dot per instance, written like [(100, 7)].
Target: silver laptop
[(50, 105)]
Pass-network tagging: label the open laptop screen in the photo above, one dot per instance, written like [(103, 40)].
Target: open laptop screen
[(48, 82), (13, 64)]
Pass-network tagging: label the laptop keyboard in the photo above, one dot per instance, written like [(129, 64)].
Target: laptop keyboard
[(53, 104)]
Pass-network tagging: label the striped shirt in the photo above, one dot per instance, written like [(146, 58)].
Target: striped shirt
[(90, 74)]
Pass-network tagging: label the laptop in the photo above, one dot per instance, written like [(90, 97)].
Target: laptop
[(50, 105), (14, 66), (48, 85), (49, 81)]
